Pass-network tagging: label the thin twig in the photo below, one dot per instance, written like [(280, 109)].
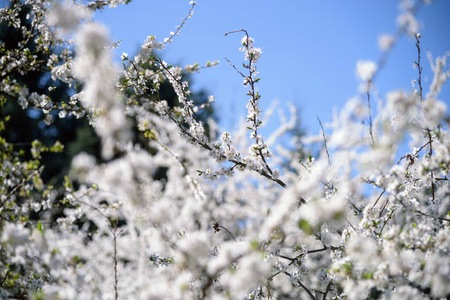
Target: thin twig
[(419, 67), (325, 141), (430, 140), (370, 113), (318, 250), (378, 199), (430, 155), (217, 227), (234, 67), (302, 285), (384, 206), (183, 22), (6, 276), (441, 179), (327, 290), (430, 216), (416, 152), (385, 221), (116, 280), (355, 207), (294, 259), (351, 225)]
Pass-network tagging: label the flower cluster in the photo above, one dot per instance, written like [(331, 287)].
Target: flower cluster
[(252, 54), (160, 261)]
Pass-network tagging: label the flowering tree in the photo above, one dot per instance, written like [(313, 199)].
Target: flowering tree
[(231, 220)]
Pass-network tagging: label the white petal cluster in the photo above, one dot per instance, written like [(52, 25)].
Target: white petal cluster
[(365, 69), (66, 16), (251, 53)]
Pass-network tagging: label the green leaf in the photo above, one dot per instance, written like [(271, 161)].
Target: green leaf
[(150, 134), (254, 245), (305, 226), (348, 267), (57, 147), (40, 227)]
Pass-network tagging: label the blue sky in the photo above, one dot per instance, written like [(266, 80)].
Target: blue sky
[(310, 48)]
